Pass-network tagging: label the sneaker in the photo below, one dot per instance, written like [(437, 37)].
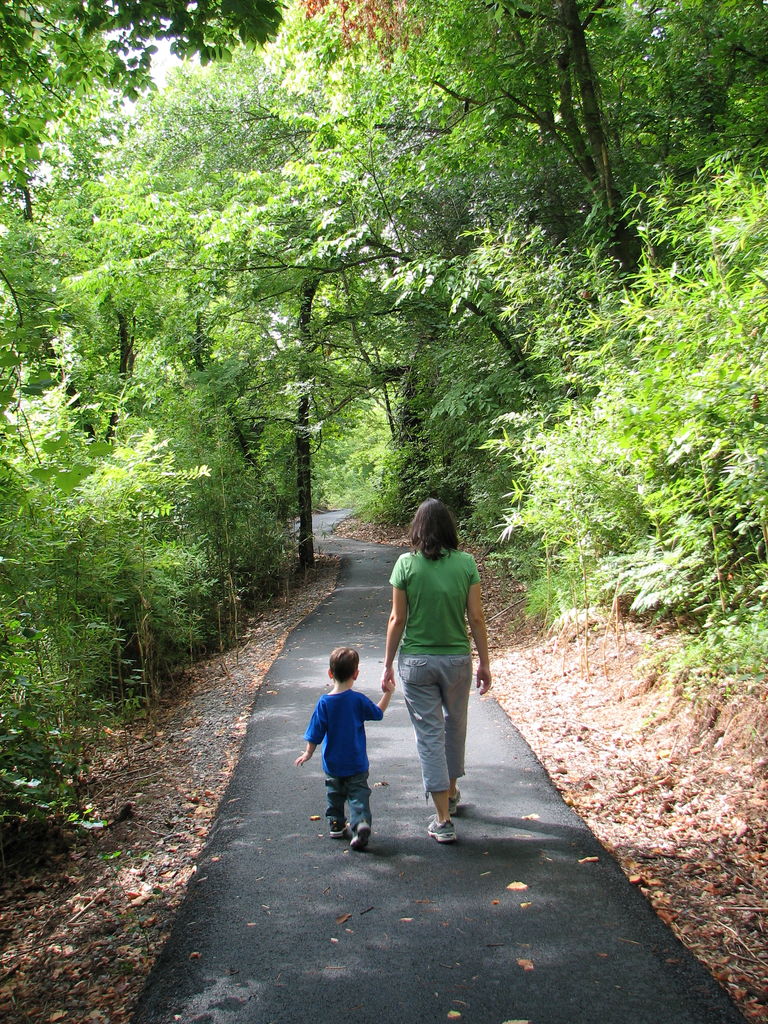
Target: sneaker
[(443, 833), (339, 829), (453, 803), (361, 836)]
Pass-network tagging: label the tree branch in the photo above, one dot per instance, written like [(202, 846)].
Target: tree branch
[(509, 345), (15, 297), (468, 101)]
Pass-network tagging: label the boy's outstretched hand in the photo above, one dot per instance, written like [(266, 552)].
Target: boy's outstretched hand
[(304, 757)]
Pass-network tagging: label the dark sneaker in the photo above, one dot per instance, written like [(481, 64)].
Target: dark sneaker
[(339, 830), (361, 836), (453, 803), (443, 833)]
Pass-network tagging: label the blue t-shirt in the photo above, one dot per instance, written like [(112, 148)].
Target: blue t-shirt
[(338, 722)]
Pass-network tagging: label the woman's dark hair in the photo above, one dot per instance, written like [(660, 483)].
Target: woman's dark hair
[(433, 529)]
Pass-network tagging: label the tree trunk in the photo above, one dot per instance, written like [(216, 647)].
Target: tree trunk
[(127, 358), (304, 485), (28, 211), (303, 436), (588, 95), (625, 245), (199, 343)]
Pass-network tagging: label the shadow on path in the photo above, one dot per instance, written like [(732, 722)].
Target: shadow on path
[(282, 924)]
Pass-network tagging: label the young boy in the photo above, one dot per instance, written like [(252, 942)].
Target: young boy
[(339, 720)]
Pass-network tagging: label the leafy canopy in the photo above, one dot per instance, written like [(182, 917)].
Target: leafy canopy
[(55, 53)]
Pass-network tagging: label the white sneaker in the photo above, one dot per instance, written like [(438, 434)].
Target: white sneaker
[(361, 836), (443, 833)]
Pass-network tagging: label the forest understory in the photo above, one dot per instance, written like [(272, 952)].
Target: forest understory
[(675, 786)]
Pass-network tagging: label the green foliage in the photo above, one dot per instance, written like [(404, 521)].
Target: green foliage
[(731, 654), (655, 488), (108, 582), (54, 56), (401, 232), (347, 462)]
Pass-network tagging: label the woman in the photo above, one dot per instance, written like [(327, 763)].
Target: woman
[(433, 589)]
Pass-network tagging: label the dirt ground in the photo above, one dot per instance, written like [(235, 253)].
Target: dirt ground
[(677, 789)]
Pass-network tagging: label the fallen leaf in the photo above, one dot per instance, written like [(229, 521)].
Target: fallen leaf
[(527, 965), (57, 1015), (406, 918), (589, 860), (531, 817), (194, 956), (314, 817), (517, 886), (342, 918), (524, 905), (495, 903), (667, 916), (453, 1014)]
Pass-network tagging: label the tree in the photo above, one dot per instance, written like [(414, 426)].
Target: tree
[(55, 54)]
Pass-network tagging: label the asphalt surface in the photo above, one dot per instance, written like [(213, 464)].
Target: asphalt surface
[(283, 924)]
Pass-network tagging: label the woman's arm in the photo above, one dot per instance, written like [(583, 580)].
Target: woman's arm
[(476, 618), (397, 619)]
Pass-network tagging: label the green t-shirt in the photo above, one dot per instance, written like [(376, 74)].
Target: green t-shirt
[(436, 592)]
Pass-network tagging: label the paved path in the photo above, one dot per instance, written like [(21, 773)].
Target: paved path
[(282, 924)]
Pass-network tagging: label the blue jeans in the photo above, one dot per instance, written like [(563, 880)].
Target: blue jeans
[(353, 789)]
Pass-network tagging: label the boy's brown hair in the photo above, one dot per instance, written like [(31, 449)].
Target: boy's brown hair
[(344, 663)]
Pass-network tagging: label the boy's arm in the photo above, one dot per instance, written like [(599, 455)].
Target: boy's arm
[(303, 758), (385, 699), (316, 729)]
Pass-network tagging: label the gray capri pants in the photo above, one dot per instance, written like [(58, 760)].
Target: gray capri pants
[(436, 690)]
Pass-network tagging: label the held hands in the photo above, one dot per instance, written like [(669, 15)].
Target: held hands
[(483, 679), (388, 680)]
